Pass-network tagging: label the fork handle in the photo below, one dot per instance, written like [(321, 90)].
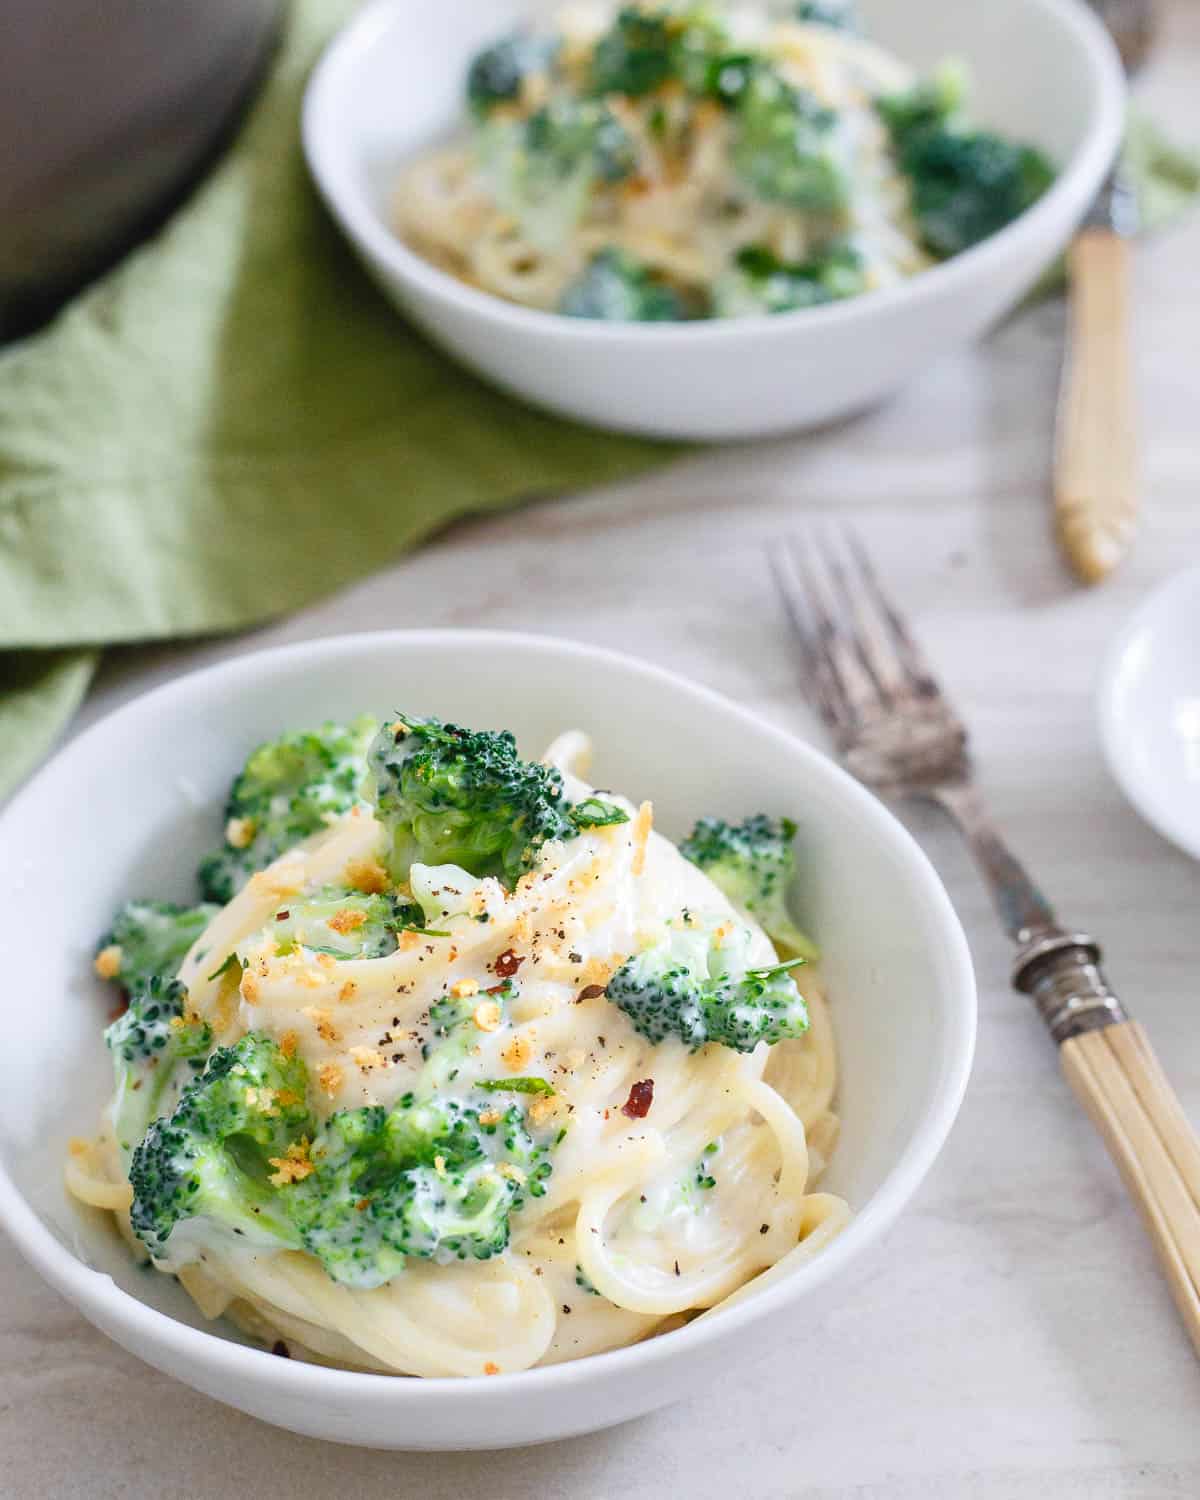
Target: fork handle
[(1095, 480), (1110, 1065), (1119, 1081)]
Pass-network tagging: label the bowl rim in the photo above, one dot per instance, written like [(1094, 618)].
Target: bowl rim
[(145, 1328), (1116, 738), (1074, 185)]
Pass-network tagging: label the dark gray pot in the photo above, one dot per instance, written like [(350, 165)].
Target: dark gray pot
[(108, 110)]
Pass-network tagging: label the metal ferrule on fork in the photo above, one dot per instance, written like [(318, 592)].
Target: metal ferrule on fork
[(1060, 972)]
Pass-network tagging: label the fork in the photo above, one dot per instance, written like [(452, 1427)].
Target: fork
[(897, 732)]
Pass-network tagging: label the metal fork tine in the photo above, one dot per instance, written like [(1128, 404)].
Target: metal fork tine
[(824, 691), (904, 648), (833, 664), (875, 643)]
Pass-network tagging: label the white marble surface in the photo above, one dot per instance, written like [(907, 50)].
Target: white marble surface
[(1012, 1339)]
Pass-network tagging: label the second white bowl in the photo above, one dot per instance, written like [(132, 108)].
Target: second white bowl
[(1045, 71)]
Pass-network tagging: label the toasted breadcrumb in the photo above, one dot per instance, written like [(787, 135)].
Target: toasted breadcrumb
[(239, 832), (367, 1058), (329, 1076), (490, 1116), (249, 986), (323, 1021), (491, 1368), (349, 919), (463, 989), (486, 1015), (517, 1054), (293, 1167), (348, 990), (408, 940), (368, 876), (544, 1109), (279, 880), (287, 1044), (107, 963), (512, 1172)]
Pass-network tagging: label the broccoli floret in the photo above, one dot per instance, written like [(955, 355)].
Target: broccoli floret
[(617, 288), (344, 923), (214, 1156), (542, 169), (966, 184), (428, 1179), (497, 74), (646, 48), (567, 136), (936, 100), (761, 282), (839, 14), (753, 864), (152, 939), (636, 55), (287, 790), (697, 990), (783, 148), (448, 795), (147, 1041)]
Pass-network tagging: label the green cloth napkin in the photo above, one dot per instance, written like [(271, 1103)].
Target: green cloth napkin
[(233, 423)]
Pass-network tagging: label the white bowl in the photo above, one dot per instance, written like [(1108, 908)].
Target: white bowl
[(1045, 71), (129, 806), (1150, 710)]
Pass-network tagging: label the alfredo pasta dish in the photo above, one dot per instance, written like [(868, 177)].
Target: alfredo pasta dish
[(669, 161), (462, 1067)]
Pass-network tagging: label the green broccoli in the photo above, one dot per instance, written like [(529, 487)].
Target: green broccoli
[(287, 790), (646, 48), (636, 55), (762, 283), (147, 1040), (966, 184), (617, 288), (784, 145), (449, 795), (148, 939), (344, 923), (497, 74), (936, 101), (435, 1179), (212, 1158), (690, 987), (753, 864), (567, 137)]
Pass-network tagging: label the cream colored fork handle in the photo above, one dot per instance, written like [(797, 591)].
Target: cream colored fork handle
[(1119, 1081), (1095, 480)]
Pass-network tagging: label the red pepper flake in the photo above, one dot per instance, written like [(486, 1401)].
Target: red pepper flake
[(280, 1348), (119, 1008), (641, 1097), (507, 964), (282, 916), (591, 992)]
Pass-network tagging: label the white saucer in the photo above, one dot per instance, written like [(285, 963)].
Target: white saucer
[(1150, 710)]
